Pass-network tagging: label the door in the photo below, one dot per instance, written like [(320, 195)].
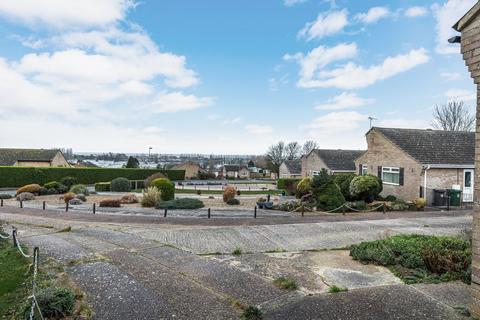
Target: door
[(468, 185)]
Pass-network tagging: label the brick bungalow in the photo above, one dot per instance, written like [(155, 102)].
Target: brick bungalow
[(411, 160), (334, 161), (235, 171), (191, 169), (33, 158), (290, 169)]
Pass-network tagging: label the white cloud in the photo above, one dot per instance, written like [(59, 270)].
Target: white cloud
[(257, 129), (450, 76), (460, 94), (319, 58), (231, 121), (177, 101), (291, 3), (351, 76), (416, 11), (65, 14), (345, 100), (447, 15), (373, 15), (326, 24), (403, 123)]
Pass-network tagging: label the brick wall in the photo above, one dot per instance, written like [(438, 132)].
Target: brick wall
[(312, 163)]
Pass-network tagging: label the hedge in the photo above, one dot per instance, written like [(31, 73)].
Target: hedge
[(12, 177), (283, 183)]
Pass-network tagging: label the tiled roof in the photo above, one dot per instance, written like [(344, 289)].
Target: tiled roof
[(339, 160), (294, 166), (434, 146), (232, 167), (8, 157)]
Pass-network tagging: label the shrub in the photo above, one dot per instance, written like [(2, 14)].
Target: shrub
[(166, 187), (5, 196), (237, 252), (68, 196), (304, 187), (69, 182), (102, 186), (233, 202), (182, 203), (151, 196), (289, 185), (330, 197), (399, 206), (32, 188), (286, 283), (25, 196), (432, 258), (111, 203), (56, 303), (252, 313), (229, 193), (120, 185), (19, 176), (390, 198), (343, 181), (60, 188), (336, 289), (420, 203), (357, 205), (365, 188), (79, 188), (320, 181), (129, 198), (45, 192), (148, 182)]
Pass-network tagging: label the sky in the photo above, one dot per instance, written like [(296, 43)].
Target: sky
[(231, 77)]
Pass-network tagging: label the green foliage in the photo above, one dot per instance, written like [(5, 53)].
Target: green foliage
[(120, 185), (320, 181), (19, 176), (304, 187), (336, 289), (233, 202), (166, 187), (330, 197), (343, 181), (59, 187), (286, 283), (365, 188), (150, 197), (419, 258), (148, 181), (390, 198), (237, 252), (252, 313), (289, 185), (69, 181), (181, 203), (56, 303), (79, 188), (358, 205), (102, 186), (5, 196), (132, 162)]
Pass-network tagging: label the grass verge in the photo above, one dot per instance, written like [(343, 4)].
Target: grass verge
[(286, 283), (336, 289)]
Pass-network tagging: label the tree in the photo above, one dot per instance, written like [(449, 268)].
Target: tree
[(275, 156), (308, 146), (453, 116), (292, 150), (132, 162)]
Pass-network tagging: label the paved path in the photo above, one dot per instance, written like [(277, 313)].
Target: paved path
[(135, 270)]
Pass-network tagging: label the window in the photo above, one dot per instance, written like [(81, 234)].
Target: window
[(391, 175), (315, 173), (364, 169)]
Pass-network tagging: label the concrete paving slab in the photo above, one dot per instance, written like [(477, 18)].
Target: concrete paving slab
[(114, 295), (54, 246), (454, 294), (399, 302)]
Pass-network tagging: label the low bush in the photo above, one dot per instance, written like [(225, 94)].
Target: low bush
[(233, 202), (166, 187), (60, 188), (304, 187), (79, 189), (237, 252), (252, 313), (399, 205), (120, 185), (419, 258), (343, 181), (129, 198), (32, 188), (229, 193), (102, 186), (330, 198), (336, 289), (111, 203), (5, 196), (289, 185), (56, 303), (69, 181), (286, 283), (148, 182), (420, 203), (25, 196), (181, 203), (46, 192), (68, 196), (390, 198), (150, 198), (365, 188)]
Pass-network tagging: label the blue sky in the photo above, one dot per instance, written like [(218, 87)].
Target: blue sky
[(222, 76)]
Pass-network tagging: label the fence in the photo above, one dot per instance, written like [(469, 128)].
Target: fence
[(16, 243)]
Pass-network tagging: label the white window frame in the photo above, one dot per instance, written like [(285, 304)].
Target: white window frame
[(315, 173), (364, 169), (391, 170)]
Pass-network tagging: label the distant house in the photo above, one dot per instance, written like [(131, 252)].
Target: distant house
[(413, 162), (334, 161), (290, 169), (191, 169), (33, 158), (235, 171)]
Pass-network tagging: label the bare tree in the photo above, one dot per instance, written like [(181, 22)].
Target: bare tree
[(276, 155), (308, 146), (453, 116), (292, 150)]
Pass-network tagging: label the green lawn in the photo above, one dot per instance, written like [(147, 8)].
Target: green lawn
[(15, 280)]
